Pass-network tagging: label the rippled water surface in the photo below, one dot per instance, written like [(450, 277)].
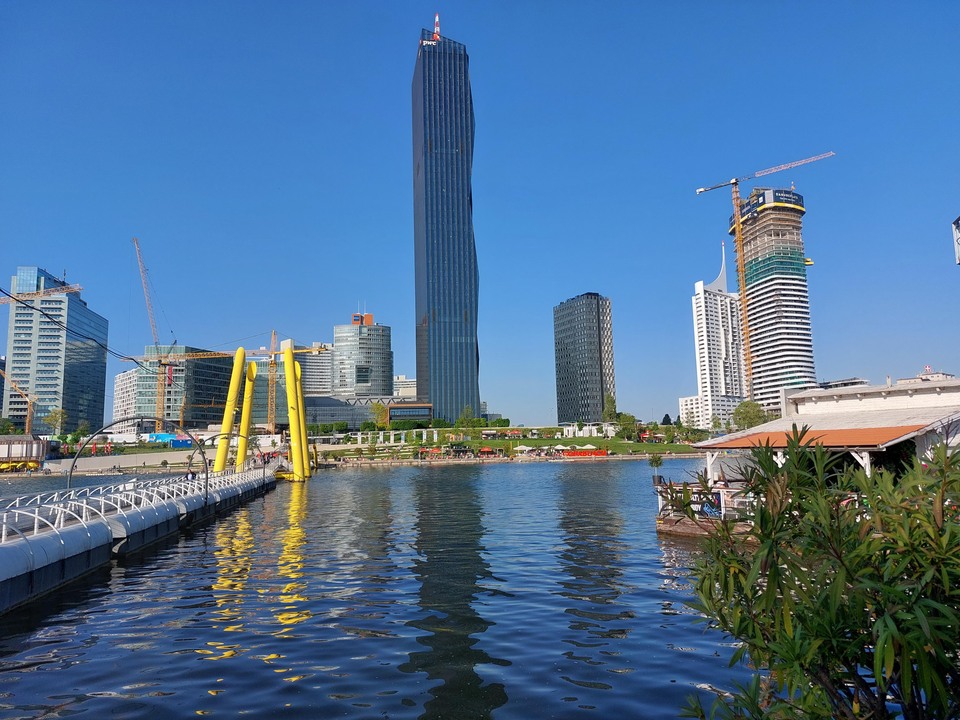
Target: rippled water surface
[(534, 590)]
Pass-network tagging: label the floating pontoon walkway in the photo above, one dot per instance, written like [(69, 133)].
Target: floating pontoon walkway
[(49, 539)]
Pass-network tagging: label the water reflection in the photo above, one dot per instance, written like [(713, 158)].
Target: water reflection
[(592, 559), (234, 542), (451, 568), (290, 561)]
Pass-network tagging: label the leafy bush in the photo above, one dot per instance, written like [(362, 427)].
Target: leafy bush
[(845, 591)]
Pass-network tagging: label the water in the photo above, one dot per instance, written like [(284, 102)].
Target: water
[(534, 590)]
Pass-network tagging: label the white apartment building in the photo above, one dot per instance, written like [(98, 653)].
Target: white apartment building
[(719, 354)]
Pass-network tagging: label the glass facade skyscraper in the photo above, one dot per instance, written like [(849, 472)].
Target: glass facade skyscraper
[(362, 358), (56, 354), (583, 349), (447, 278)]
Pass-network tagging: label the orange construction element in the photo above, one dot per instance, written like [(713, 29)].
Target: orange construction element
[(846, 438)]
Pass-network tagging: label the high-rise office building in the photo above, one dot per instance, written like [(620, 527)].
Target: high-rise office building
[(362, 358), (56, 353), (194, 389), (583, 350), (719, 350), (780, 342), (447, 278)]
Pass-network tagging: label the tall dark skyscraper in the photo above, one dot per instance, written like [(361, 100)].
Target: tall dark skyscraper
[(583, 351), (447, 279)]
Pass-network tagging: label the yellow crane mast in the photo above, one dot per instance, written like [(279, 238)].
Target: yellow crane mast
[(734, 184), (28, 425)]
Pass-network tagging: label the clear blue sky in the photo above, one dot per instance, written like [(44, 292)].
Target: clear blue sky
[(262, 154)]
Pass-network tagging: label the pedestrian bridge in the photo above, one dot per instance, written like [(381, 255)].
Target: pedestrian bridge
[(49, 539)]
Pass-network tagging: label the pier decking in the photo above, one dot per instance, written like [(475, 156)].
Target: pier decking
[(49, 539)]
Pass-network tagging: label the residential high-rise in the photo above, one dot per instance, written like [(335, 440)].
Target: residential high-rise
[(362, 358), (125, 400), (446, 274), (719, 351), (778, 305), (56, 353), (583, 350)]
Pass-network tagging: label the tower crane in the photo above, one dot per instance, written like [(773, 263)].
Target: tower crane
[(734, 184), (161, 360), (28, 425), (46, 292)]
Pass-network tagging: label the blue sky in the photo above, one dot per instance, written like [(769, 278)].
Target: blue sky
[(261, 152)]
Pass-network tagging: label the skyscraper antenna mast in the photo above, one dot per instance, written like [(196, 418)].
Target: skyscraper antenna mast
[(436, 27)]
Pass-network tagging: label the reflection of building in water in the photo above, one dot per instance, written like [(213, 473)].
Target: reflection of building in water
[(290, 561), (449, 567), (593, 561)]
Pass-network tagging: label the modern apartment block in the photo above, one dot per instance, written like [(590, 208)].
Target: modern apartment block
[(719, 354), (56, 353), (445, 255), (780, 339), (362, 358), (316, 370), (583, 350), (125, 400)]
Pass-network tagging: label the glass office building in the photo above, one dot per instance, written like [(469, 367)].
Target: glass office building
[(362, 358), (447, 278), (56, 353), (583, 350)]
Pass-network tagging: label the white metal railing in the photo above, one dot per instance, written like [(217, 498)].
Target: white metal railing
[(49, 511)]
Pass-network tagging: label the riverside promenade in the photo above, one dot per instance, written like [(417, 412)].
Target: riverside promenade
[(50, 538)]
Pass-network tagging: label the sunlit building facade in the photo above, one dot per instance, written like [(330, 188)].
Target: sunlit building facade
[(56, 354), (719, 354)]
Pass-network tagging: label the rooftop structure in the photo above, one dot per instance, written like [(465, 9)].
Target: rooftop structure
[(863, 421)]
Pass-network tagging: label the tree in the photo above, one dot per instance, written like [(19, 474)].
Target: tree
[(666, 419), (8, 428), (609, 408), (56, 419), (655, 460), (380, 414), (628, 426), (440, 423), (748, 414), (368, 426), (843, 591), (715, 423)]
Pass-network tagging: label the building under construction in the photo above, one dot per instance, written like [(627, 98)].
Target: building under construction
[(777, 300)]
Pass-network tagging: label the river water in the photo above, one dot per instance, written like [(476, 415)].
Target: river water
[(521, 590)]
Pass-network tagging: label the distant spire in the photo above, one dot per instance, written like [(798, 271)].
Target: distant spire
[(436, 27), (720, 284)]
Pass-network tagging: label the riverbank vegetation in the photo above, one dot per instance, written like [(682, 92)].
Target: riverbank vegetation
[(844, 594)]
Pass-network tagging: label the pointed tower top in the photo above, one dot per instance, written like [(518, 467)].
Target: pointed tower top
[(436, 27), (720, 284)]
